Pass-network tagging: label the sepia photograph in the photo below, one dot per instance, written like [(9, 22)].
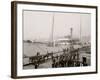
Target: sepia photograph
[(53, 39), (56, 39)]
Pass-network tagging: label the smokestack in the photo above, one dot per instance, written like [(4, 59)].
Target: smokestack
[(71, 32)]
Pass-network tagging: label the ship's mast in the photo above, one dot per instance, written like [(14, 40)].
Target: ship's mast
[(52, 36), (80, 29)]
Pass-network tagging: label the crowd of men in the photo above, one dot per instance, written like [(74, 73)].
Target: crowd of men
[(67, 59), (63, 61)]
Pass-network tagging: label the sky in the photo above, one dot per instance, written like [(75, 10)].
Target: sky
[(38, 24)]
